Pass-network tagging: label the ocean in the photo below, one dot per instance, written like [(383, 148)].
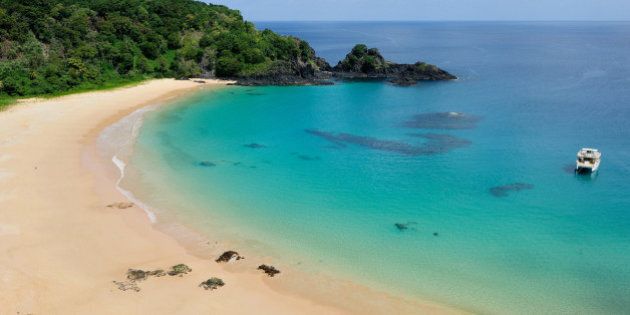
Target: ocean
[(457, 192)]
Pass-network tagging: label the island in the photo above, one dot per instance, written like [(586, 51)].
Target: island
[(364, 63)]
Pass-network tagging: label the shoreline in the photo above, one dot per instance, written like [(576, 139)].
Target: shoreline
[(66, 246)]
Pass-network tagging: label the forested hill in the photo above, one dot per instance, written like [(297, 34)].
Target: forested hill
[(51, 46)]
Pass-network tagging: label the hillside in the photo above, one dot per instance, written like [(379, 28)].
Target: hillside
[(51, 46)]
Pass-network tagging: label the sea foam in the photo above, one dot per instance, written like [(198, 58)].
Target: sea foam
[(117, 141)]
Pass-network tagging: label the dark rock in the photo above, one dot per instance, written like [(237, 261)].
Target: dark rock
[(255, 146), (156, 273), (136, 275), (212, 284), (179, 270), (403, 81), (436, 234), (207, 164), (229, 255), (404, 226), (434, 144), (503, 191), (298, 71), (304, 157), (364, 63), (121, 205), (360, 64), (199, 81), (401, 226), (140, 275), (269, 270)]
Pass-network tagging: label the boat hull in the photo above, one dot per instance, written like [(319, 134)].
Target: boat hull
[(586, 169)]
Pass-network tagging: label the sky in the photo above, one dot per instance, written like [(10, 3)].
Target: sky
[(432, 10)]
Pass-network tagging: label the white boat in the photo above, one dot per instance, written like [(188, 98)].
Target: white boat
[(588, 160)]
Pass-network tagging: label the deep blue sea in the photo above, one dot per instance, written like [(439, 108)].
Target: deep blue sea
[(477, 173)]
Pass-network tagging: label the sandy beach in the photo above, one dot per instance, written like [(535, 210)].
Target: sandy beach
[(61, 247)]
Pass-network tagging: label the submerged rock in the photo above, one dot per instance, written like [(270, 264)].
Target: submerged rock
[(207, 164), (255, 146), (179, 270), (228, 256), (404, 226), (433, 144), (305, 157), (212, 284), (269, 270), (401, 226), (503, 191)]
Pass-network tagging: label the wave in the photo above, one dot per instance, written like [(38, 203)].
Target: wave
[(128, 194), (117, 141)]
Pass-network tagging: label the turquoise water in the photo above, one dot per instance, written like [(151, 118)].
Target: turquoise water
[(320, 175)]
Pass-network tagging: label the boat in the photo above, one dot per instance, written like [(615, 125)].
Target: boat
[(588, 160)]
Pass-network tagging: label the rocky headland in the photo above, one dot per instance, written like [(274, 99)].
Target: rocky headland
[(361, 63)]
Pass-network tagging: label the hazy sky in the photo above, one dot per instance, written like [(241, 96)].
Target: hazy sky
[(292, 10)]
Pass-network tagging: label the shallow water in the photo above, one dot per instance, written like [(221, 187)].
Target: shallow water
[(474, 171)]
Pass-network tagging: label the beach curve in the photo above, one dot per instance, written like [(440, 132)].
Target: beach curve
[(65, 247)]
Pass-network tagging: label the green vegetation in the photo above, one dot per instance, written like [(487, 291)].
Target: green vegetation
[(57, 46), (6, 101), (212, 283), (363, 60), (179, 270), (366, 63)]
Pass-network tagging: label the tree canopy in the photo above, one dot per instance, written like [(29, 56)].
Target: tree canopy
[(51, 46), (364, 60)]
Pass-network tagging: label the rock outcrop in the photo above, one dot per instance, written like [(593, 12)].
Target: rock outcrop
[(179, 270), (302, 69), (269, 270), (212, 284), (228, 256), (362, 63), (368, 63), (141, 275), (121, 205)]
